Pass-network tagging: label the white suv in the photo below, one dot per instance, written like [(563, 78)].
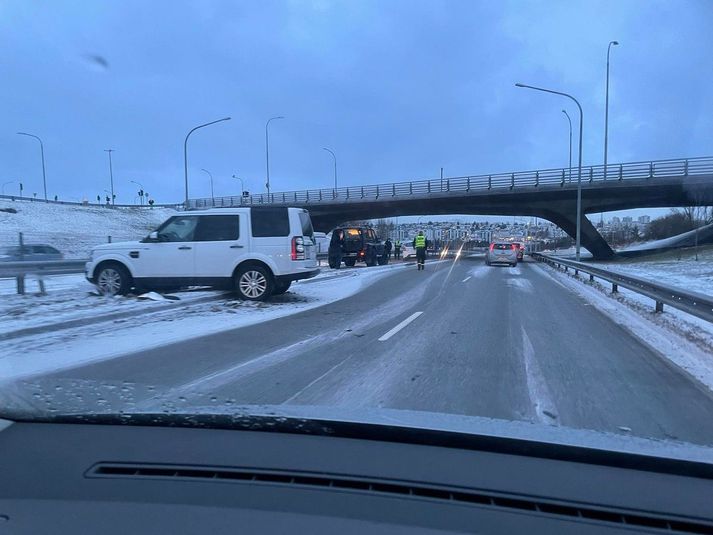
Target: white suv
[(256, 251)]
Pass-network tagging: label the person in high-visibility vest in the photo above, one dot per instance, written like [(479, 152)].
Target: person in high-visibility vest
[(397, 249), (420, 243)]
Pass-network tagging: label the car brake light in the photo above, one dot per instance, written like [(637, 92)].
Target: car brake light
[(492, 246), (298, 248), (513, 247)]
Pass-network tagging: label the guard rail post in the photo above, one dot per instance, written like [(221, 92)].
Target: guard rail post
[(490, 181), (512, 181), (659, 306), (562, 183), (21, 278), (537, 178), (591, 175), (651, 170), (685, 168), (621, 172)]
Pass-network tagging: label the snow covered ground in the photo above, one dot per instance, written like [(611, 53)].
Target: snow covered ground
[(67, 348), (679, 337), (674, 268), (74, 230)]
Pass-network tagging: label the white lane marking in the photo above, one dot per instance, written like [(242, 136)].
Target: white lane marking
[(400, 326), (466, 279), (537, 386)]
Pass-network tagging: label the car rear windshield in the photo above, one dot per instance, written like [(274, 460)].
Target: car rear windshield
[(502, 246), (269, 221), (307, 229)]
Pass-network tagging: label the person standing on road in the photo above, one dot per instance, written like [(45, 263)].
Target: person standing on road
[(420, 243), (336, 249), (387, 248), (397, 250)]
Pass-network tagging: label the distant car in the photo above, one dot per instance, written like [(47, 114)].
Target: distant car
[(360, 244), (407, 251), (520, 249), (29, 253), (501, 253)]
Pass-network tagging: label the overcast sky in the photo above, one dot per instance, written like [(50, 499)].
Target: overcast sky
[(396, 89)]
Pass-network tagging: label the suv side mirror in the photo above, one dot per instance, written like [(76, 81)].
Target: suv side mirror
[(153, 236)]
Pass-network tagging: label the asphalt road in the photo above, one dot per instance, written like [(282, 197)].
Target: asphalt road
[(500, 342)]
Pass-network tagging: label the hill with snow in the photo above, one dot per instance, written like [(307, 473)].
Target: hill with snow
[(72, 229)]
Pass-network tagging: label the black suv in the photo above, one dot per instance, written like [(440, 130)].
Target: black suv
[(356, 244)]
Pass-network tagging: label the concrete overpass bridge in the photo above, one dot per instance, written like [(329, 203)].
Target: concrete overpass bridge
[(548, 194)]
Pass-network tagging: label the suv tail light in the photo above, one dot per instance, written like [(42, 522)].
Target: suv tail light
[(513, 247), (298, 248), (492, 246)]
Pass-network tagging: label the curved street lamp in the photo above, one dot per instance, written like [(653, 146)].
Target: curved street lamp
[(141, 197), (185, 150), (570, 143), (579, 172), (267, 153), (42, 154), (335, 165), (211, 184), (6, 183), (606, 111)]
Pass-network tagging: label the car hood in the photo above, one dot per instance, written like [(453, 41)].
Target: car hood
[(138, 404), (117, 246)]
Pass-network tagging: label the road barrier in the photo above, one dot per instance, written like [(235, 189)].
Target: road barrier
[(19, 270), (693, 303)]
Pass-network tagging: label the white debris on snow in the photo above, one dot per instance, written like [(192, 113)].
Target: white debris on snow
[(72, 298), (44, 353), (679, 337)]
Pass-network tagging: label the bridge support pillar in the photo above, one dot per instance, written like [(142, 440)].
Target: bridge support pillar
[(592, 240)]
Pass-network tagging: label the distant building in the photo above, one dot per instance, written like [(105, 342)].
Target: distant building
[(615, 220), (644, 219)]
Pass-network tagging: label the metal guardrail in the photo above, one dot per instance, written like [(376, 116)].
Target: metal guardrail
[(693, 303), (19, 270), (501, 181), (47, 267)]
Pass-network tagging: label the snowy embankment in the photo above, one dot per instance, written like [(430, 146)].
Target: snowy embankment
[(684, 340), (74, 230), (674, 268), (67, 348)]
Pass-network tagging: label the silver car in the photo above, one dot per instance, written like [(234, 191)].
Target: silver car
[(501, 253)]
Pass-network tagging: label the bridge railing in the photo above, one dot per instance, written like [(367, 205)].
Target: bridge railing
[(562, 177)]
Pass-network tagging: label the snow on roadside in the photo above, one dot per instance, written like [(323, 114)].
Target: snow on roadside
[(70, 348), (681, 338), (695, 276), (70, 298)]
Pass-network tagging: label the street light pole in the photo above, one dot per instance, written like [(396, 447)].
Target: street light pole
[(111, 175), (42, 153), (185, 151), (606, 111), (267, 153), (141, 197), (570, 144), (211, 184), (242, 187), (579, 171), (335, 165)]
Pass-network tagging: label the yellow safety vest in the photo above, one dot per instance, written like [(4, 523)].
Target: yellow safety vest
[(420, 241)]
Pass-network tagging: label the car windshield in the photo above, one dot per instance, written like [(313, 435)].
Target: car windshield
[(496, 216)]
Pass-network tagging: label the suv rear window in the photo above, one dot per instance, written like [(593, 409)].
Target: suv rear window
[(502, 246), (267, 222), (218, 228), (307, 229)]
